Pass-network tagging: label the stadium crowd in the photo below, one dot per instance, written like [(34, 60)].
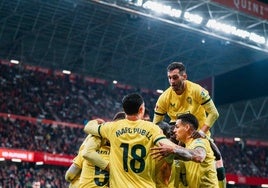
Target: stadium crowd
[(245, 160), (28, 175), (45, 95), (59, 97)]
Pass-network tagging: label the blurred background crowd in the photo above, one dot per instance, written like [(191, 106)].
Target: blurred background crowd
[(60, 98)]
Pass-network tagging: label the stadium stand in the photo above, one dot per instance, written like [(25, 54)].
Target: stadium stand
[(28, 97), (28, 175)]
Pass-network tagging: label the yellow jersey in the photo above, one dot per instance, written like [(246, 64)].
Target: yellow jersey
[(190, 101), (201, 175), (92, 176), (131, 164)]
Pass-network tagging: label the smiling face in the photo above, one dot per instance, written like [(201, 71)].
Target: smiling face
[(176, 80)]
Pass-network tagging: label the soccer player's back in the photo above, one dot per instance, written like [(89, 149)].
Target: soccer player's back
[(131, 139), (92, 175)]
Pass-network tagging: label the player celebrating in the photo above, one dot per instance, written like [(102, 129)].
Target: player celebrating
[(184, 96), (200, 161), (131, 139)]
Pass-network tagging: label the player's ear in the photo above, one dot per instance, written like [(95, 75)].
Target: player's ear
[(184, 76), (188, 127), (142, 110)]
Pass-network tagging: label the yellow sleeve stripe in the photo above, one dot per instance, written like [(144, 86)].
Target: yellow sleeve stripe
[(206, 101), (99, 130), (160, 138), (157, 113)]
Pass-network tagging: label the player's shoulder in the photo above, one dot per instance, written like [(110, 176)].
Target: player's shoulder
[(193, 85), (91, 138), (196, 88), (88, 137), (201, 142), (108, 123), (150, 125), (111, 124), (166, 93)]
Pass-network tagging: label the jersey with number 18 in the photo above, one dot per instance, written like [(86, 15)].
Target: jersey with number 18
[(131, 164)]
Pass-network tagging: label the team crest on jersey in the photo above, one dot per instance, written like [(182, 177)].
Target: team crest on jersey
[(189, 100), (203, 94), (199, 141)]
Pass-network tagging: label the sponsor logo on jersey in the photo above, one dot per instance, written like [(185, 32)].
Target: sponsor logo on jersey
[(203, 94), (173, 105)]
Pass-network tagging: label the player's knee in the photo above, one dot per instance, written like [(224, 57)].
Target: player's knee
[(221, 173)]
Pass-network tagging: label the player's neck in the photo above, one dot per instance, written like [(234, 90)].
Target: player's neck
[(181, 89), (133, 117)]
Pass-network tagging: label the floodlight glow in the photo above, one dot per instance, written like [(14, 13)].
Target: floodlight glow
[(194, 18), (231, 182), (114, 82), (2, 159), (237, 139), (221, 26), (66, 72), (257, 38), (229, 29), (160, 8), (16, 160), (159, 91), (14, 61), (39, 163), (139, 2), (241, 33), (264, 185)]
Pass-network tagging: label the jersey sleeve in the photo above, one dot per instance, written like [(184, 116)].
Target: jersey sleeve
[(205, 100), (212, 113), (90, 152), (104, 129), (202, 95), (199, 142), (160, 109), (92, 127)]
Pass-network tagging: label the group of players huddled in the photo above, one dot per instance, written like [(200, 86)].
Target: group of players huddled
[(133, 152)]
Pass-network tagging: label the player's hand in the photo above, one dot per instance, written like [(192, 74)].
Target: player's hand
[(198, 134), (162, 151), (99, 120)]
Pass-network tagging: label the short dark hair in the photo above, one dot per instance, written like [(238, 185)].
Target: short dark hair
[(131, 103), (176, 65), (189, 118), (166, 128)]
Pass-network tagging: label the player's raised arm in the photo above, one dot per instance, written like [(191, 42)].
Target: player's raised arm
[(92, 127)]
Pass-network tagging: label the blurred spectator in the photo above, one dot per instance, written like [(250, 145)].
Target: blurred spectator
[(26, 175), (40, 137), (45, 95), (59, 98), (246, 160)]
